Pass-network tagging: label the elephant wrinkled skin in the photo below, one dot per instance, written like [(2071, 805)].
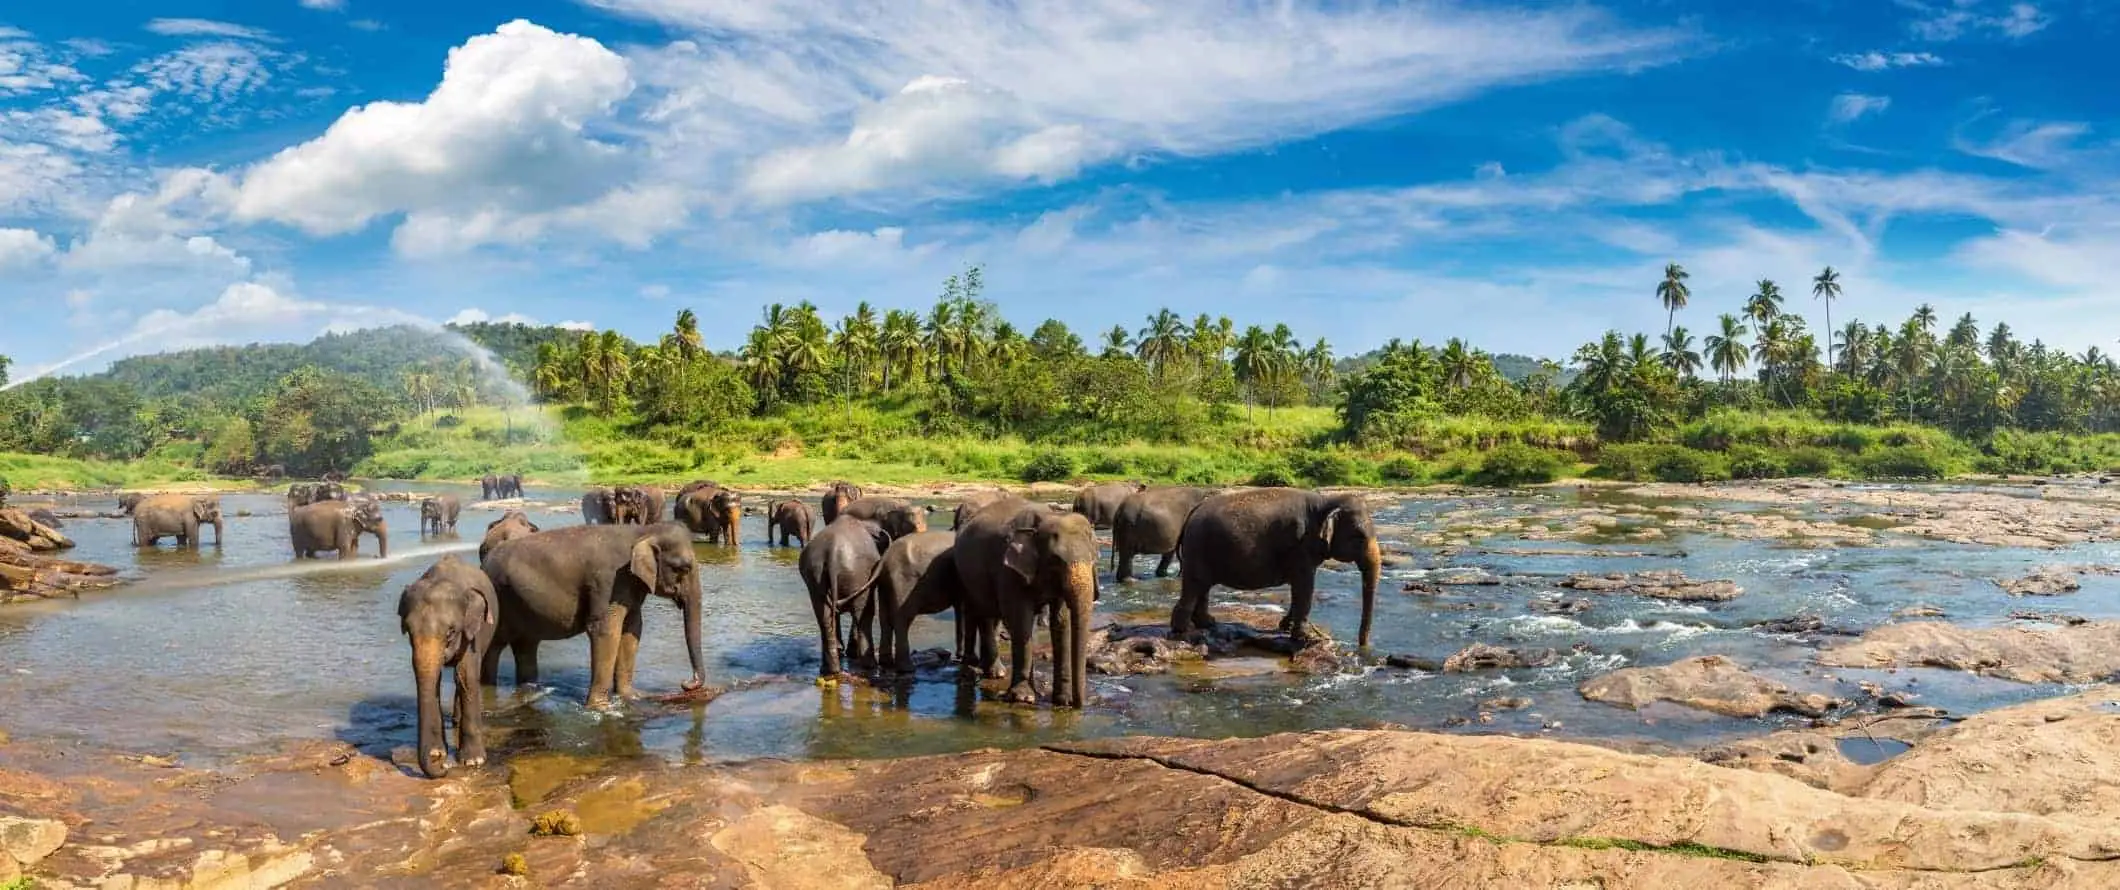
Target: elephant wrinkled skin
[(1100, 503), (1149, 521), (915, 577), (1252, 540), (599, 506), (448, 615), (180, 516), (836, 497), (837, 567), (1013, 558), (897, 515), (337, 525), (710, 511), (636, 505)]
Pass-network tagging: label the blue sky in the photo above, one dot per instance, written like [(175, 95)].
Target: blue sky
[(182, 173)]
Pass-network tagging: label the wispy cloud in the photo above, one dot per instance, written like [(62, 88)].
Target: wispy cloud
[(173, 27), (1848, 108), (1879, 61), (1954, 19), (325, 5), (2041, 145)]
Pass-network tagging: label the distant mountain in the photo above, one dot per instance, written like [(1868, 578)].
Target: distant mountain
[(377, 355), (1514, 368)]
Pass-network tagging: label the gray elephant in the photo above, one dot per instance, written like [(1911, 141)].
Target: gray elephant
[(449, 614), (897, 515), (488, 487), (637, 505), (915, 577), (1149, 521), (836, 567), (302, 494), (836, 497), (510, 485), (130, 500), (972, 502), (438, 514), (337, 525), (1266, 537), (599, 506), (710, 511), (512, 524), (1100, 503), (1014, 558), (177, 516), (595, 580), (789, 519)]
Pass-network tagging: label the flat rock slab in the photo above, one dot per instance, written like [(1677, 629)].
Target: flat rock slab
[(1660, 584), (2082, 653), (1710, 683)]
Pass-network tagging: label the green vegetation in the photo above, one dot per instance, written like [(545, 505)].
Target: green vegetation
[(1700, 851), (961, 394)]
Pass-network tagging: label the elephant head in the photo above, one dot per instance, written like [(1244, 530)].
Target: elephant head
[(129, 500), (663, 560), (367, 517), (1055, 554), (837, 497), (207, 510), (728, 505), (1341, 529), (599, 505), (629, 505), (447, 613), (512, 524), (329, 491)]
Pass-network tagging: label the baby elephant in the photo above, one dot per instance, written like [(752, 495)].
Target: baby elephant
[(438, 514), (449, 615), (789, 519)]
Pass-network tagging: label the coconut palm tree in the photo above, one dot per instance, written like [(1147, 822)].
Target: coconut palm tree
[(1679, 354), (1726, 347), (1827, 287), (614, 366), (1764, 304), (1856, 349), (1925, 316), (1117, 342), (1162, 341), (900, 344), (1460, 366), (1258, 360), (1317, 365), (1673, 293)]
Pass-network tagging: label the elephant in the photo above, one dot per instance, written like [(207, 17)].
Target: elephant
[(489, 487), (837, 567), (334, 477), (915, 577), (897, 516), (599, 506), (1251, 540), (512, 485), (129, 501), (272, 471), (636, 505), (711, 511), (972, 503), (557, 584), (836, 497), (176, 515), (302, 494), (1013, 557), (438, 514), (337, 525), (512, 524), (1101, 502), (500, 487), (1149, 521), (789, 519), (449, 614)]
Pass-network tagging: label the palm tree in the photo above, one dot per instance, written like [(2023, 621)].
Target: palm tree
[(1764, 304), (900, 344), (1117, 342), (419, 390), (1827, 287), (1257, 362), (1679, 354), (1673, 293), (1317, 365), (761, 361), (1856, 348), (1162, 341), (1459, 366), (551, 373), (614, 366), (1910, 356), (1925, 315), (1726, 348)]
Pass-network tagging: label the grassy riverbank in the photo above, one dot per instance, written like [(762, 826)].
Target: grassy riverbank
[(28, 472)]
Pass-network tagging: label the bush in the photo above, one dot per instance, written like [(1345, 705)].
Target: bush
[(1808, 461), (1273, 475), (1903, 462), (1661, 463), (1323, 468), (1050, 465), (1516, 464), (1401, 469), (1107, 464), (1753, 462)]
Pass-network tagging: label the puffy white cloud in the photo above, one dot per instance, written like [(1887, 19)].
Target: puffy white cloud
[(33, 177), (181, 27), (24, 247), (475, 315), (27, 67), (575, 326), (1848, 108), (504, 135), (1879, 61)]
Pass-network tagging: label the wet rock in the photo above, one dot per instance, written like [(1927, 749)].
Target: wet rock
[(2048, 581), (2049, 617), (1710, 683), (2083, 653), (1141, 649), (1507, 703), (26, 842), (1558, 605), (1802, 625), (1919, 611), (1665, 584), (1464, 577), (1413, 663), (1481, 657)]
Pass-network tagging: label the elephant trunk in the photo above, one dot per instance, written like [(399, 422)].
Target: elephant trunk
[(218, 526), (731, 519), (1371, 564), (1081, 600), (691, 609), (382, 540), (427, 673)]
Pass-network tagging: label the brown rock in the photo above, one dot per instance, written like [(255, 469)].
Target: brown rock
[(1666, 584), (2084, 653), (1481, 657), (1709, 683), (28, 841), (2047, 581)]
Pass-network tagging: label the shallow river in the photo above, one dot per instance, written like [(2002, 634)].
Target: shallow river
[(224, 651)]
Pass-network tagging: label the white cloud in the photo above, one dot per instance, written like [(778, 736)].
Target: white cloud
[(24, 247), (1879, 61), (179, 27), (504, 135), (476, 315), (2038, 145), (575, 326), (59, 128), (245, 305), (89, 46), (33, 177), (325, 5), (655, 291), (220, 71), (1944, 20), (26, 67), (1850, 107)]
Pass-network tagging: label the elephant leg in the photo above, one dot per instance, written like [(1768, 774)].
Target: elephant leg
[(827, 636), (1191, 610), (603, 657), (1122, 562), (1163, 565), (1302, 589), (990, 649), (470, 713), (1022, 622), (628, 654), (489, 663), (1063, 657), (863, 636), (525, 662)]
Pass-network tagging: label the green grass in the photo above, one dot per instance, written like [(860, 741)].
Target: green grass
[(24, 882), (28, 472), (1700, 851)]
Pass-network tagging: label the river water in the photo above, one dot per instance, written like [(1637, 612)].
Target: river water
[(226, 651)]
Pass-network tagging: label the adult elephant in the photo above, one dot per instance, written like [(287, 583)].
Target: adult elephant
[(438, 514), (897, 515), (637, 505), (711, 511), (1149, 521), (836, 567), (915, 577), (599, 506), (511, 485), (449, 615), (595, 580), (489, 487), (337, 525), (1266, 537), (1014, 558), (836, 497), (1100, 503), (789, 519), (302, 494), (130, 501), (177, 516), (512, 524), (971, 504)]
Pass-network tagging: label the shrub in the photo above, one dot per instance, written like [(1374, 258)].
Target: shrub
[(1400, 469), (1753, 462), (1273, 475), (1323, 468), (1809, 461), (1662, 463), (1050, 465), (1516, 464), (1108, 464), (1903, 462)]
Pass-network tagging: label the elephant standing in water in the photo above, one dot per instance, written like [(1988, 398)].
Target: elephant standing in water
[(1014, 558), (836, 498), (915, 577), (595, 580), (337, 525), (897, 515), (1149, 521), (599, 506), (302, 494), (837, 567), (438, 514), (511, 486), (1100, 503), (179, 516), (512, 524), (1251, 540), (449, 615), (789, 519), (710, 511), (637, 505)]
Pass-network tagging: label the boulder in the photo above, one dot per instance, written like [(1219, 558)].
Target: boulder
[(2080, 653), (1710, 683)]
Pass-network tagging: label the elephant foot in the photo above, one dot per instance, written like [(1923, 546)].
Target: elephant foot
[(600, 702), (1022, 693), (473, 760), (628, 693)]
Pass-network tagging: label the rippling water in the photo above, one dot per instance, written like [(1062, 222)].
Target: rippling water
[(225, 651)]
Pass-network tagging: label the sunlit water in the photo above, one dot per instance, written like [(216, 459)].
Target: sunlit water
[(228, 650)]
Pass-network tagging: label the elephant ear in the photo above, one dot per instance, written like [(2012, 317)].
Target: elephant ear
[(1021, 556), (485, 607), (1327, 524), (644, 562)]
